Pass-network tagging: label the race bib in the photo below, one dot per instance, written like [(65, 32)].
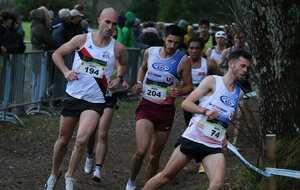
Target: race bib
[(212, 130), (155, 92), (92, 69)]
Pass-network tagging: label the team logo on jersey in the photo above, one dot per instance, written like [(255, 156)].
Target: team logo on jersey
[(227, 101), (168, 79), (160, 67), (105, 55)]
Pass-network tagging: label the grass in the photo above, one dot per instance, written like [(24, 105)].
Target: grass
[(26, 27)]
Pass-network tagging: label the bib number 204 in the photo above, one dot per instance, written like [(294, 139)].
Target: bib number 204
[(154, 93)]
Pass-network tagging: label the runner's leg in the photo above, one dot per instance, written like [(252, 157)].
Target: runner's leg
[(175, 164), (67, 125), (103, 127), (157, 145), (87, 124), (143, 131), (214, 165)]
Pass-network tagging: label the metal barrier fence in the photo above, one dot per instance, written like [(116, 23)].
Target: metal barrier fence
[(28, 79)]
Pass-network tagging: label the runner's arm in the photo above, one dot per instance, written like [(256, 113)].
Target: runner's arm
[(122, 62), (205, 87), (67, 48), (186, 78), (137, 88), (144, 67)]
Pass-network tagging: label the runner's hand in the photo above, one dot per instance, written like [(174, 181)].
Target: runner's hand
[(71, 75), (137, 88), (211, 114), (113, 84), (224, 145), (125, 84), (173, 92)]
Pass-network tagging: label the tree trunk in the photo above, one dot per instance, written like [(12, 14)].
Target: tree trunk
[(271, 28)]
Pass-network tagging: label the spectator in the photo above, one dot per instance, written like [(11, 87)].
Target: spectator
[(203, 32), (137, 32), (150, 35), (120, 24), (10, 40), (126, 38), (41, 38), (160, 26), (188, 36), (61, 32), (84, 23), (76, 27)]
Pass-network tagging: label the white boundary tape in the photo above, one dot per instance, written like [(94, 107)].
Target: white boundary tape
[(267, 172)]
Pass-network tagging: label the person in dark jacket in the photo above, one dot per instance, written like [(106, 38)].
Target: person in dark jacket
[(10, 40), (41, 37), (61, 32)]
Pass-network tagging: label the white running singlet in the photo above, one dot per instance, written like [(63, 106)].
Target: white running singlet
[(225, 103), (95, 66)]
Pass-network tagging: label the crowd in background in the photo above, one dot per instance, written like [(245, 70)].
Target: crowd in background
[(50, 30)]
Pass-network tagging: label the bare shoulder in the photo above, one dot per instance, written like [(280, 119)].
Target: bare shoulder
[(78, 41), (186, 59), (120, 47), (209, 82), (185, 62)]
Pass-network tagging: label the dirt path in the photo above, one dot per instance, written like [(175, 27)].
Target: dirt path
[(25, 155)]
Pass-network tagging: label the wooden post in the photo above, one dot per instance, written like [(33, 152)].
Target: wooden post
[(270, 160)]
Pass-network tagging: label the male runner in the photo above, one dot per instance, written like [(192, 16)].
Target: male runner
[(204, 139), (88, 81), (164, 75)]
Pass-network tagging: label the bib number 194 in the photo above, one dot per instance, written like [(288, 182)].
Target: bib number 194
[(92, 71)]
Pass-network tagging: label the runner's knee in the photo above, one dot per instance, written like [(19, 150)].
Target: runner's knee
[(164, 178), (102, 138), (62, 141), (80, 144), (215, 185), (154, 158), (140, 153)]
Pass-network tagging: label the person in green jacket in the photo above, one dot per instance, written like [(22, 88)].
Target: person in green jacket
[(125, 34)]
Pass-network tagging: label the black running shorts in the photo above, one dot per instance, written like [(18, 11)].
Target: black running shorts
[(195, 150), (73, 106)]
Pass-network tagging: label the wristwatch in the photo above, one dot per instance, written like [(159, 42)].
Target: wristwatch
[(121, 78)]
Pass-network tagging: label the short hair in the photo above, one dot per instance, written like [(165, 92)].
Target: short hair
[(204, 21), (198, 40), (240, 53), (174, 30)]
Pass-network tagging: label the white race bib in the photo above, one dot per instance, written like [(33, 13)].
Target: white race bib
[(155, 92), (92, 69), (212, 130)]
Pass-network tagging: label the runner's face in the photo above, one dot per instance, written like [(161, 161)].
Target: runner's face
[(241, 67), (220, 41), (204, 29), (239, 40), (194, 50), (171, 44), (107, 24)]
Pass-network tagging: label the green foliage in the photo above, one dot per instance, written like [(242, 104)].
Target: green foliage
[(173, 10), (27, 30), (145, 9)]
